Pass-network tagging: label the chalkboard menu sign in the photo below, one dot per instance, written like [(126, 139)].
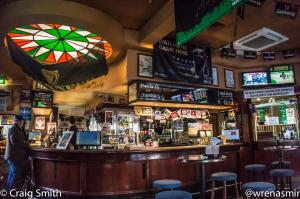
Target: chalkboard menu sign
[(42, 99)]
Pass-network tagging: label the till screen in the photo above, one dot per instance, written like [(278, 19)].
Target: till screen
[(88, 138)]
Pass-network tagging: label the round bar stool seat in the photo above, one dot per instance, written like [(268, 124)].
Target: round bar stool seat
[(282, 172), (167, 184), (279, 175), (256, 171), (259, 186), (174, 194), (224, 176), (285, 163), (255, 167)]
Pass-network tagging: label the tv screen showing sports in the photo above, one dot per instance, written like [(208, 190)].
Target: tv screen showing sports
[(34, 136), (231, 135), (255, 79), (88, 138), (282, 75)]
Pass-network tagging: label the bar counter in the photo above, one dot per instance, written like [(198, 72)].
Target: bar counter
[(111, 172)]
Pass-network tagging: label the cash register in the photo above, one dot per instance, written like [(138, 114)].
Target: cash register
[(88, 140)]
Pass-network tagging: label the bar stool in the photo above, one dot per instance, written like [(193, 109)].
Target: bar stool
[(224, 177), (285, 164), (256, 169), (166, 184), (258, 187), (174, 194), (281, 174)]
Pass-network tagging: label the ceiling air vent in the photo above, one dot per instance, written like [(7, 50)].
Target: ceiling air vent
[(260, 40)]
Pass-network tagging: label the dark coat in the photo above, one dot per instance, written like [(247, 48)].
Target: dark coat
[(17, 149), (73, 139)]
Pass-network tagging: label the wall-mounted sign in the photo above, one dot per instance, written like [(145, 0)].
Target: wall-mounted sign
[(51, 129), (288, 54), (26, 113), (7, 119), (272, 120), (186, 63), (4, 93), (229, 78), (40, 123), (143, 111), (149, 96), (290, 116), (145, 65), (257, 3), (42, 99), (6, 100), (250, 55), (132, 92), (228, 52), (269, 55), (215, 76), (176, 93), (286, 9), (109, 117), (225, 97), (272, 92)]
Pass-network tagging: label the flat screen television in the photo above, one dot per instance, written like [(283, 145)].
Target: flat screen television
[(231, 135), (255, 79), (88, 138), (282, 75)]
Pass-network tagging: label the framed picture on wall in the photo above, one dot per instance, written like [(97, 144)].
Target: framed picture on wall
[(26, 96), (215, 77), (145, 65), (229, 78), (40, 123)]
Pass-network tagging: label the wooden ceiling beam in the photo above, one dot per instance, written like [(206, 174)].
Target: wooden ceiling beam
[(159, 25)]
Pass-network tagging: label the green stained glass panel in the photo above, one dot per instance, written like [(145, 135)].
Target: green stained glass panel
[(51, 45), (68, 48), (32, 52), (18, 31), (46, 42), (61, 39), (59, 46), (92, 35), (43, 56), (28, 27), (53, 32), (63, 33)]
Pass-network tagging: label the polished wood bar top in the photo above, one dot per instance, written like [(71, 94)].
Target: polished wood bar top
[(134, 149), (110, 155)]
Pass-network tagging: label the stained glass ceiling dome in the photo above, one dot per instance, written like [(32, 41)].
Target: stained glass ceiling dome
[(54, 43)]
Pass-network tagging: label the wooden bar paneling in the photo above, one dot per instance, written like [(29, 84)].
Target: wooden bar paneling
[(106, 172)]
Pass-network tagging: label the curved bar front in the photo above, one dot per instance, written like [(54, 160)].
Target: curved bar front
[(113, 172)]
